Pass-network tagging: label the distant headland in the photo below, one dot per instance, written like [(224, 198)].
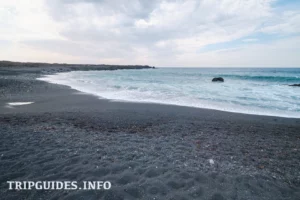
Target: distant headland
[(64, 67)]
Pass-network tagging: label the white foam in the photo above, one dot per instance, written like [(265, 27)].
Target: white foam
[(232, 96), (11, 104)]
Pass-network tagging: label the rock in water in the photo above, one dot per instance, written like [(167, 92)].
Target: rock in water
[(295, 85), (218, 79)]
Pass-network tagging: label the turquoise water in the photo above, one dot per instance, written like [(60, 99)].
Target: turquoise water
[(252, 91)]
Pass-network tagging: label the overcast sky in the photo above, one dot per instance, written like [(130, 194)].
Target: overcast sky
[(202, 33)]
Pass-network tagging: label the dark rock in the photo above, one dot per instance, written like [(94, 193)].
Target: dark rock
[(295, 85), (218, 79)]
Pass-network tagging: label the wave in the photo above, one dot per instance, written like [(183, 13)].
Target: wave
[(138, 86), (264, 78)]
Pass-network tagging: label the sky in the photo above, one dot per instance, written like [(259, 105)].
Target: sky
[(201, 33)]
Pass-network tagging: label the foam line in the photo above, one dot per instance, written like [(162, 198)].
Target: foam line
[(19, 103)]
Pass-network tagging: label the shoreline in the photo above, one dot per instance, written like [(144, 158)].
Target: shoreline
[(170, 104), (206, 105), (146, 150)]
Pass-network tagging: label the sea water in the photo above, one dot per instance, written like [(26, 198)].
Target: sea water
[(262, 91)]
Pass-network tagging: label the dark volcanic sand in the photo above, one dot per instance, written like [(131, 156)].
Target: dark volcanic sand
[(147, 151)]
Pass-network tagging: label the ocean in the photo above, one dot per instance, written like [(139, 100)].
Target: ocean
[(260, 91)]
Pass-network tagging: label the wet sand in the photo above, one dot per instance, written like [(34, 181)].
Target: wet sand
[(147, 151)]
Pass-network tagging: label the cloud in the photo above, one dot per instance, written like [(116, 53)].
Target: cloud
[(286, 23), (21, 20), (281, 53), (250, 40), (163, 33)]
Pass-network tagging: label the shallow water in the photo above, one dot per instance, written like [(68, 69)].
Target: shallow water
[(262, 91)]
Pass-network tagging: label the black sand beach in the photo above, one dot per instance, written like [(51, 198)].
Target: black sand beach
[(147, 151)]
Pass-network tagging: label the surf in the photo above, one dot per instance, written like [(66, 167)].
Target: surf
[(248, 91)]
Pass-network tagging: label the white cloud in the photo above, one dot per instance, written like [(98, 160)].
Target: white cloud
[(250, 40), (21, 20), (282, 53), (286, 23), (168, 15), (140, 32)]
